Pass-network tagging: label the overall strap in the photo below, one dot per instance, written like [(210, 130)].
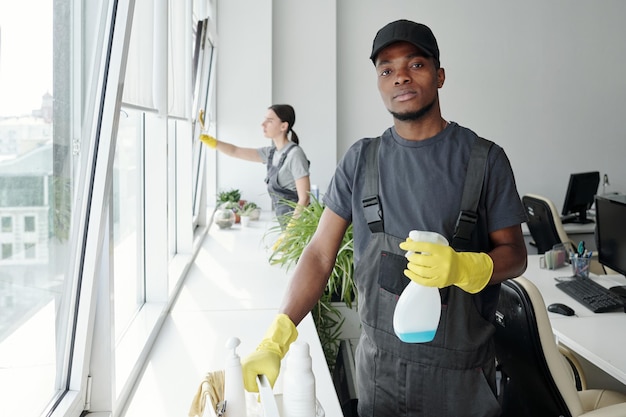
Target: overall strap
[(281, 161), (468, 216), (270, 156), (371, 202), (471, 194)]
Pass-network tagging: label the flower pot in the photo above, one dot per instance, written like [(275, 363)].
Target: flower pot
[(224, 218), (255, 214), (245, 221)]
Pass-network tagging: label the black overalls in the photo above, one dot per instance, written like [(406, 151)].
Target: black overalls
[(275, 190), (452, 376)]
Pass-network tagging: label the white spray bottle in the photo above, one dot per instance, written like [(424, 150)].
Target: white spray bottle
[(234, 393), (416, 317), (299, 398)]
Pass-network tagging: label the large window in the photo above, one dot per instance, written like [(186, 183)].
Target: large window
[(97, 198), (35, 200)]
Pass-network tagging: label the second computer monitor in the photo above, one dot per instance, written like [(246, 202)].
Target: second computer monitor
[(581, 191), (611, 231)]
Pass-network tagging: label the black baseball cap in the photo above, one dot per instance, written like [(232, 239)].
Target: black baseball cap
[(405, 30)]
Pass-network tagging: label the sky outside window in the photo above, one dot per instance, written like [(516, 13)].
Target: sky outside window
[(25, 55)]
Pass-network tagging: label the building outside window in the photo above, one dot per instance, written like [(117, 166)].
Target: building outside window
[(29, 224), (7, 250), (7, 224)]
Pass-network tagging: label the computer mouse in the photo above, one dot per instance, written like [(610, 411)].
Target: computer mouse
[(560, 308), (619, 290)]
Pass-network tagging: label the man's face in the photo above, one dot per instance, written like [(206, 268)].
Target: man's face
[(407, 80)]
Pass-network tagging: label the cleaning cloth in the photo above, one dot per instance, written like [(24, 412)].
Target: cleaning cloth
[(210, 391)]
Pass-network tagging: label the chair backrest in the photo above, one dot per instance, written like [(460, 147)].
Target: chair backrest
[(537, 380), (544, 222)]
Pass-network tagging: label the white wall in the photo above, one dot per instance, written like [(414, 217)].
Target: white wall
[(545, 80), (305, 72), (270, 54), (244, 91)]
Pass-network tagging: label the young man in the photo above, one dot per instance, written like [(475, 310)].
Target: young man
[(422, 165)]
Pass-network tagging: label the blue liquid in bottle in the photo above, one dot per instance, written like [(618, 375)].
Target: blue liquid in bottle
[(417, 337)]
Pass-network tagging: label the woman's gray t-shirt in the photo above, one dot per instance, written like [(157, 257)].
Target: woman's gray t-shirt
[(296, 165)]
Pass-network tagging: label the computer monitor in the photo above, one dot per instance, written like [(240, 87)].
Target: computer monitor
[(611, 231), (581, 191)]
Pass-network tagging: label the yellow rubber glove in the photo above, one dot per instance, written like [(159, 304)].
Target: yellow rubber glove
[(279, 241), (272, 349), (208, 140), (440, 266)]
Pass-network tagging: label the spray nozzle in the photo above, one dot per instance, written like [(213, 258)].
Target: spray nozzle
[(232, 344)]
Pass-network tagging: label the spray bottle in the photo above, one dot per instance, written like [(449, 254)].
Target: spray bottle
[(234, 393), (299, 398), (416, 317)]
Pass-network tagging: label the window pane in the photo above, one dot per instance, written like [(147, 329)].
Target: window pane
[(35, 203), (7, 250), (127, 219), (29, 223), (7, 224)]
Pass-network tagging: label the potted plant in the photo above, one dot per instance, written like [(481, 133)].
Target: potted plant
[(224, 218), (234, 207), (251, 209), (232, 195), (245, 219), (340, 288)]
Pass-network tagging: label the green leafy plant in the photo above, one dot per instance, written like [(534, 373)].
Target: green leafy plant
[(340, 287), (249, 207), (232, 195), (234, 206)]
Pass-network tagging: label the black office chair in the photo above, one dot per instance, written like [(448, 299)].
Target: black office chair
[(537, 379), (544, 223)]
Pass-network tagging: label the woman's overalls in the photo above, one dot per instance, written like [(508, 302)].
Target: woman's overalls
[(452, 376), (276, 191)]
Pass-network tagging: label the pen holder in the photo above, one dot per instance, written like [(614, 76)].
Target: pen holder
[(580, 266), (553, 259)]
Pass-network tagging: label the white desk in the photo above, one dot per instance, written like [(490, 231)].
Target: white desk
[(600, 338)]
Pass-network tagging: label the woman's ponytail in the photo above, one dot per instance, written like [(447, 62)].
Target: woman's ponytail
[(287, 114), (294, 137)]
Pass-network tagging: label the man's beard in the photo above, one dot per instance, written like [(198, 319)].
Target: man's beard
[(413, 116)]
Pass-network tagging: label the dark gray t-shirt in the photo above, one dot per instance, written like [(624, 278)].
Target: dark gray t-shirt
[(420, 187)]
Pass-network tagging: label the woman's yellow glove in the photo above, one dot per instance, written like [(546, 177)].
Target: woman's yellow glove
[(272, 349), (279, 241), (208, 140), (440, 266)]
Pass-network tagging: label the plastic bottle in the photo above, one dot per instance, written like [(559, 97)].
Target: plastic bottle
[(299, 383), (416, 317), (234, 393), (315, 191)]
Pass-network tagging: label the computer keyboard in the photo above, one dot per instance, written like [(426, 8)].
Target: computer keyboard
[(591, 294)]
